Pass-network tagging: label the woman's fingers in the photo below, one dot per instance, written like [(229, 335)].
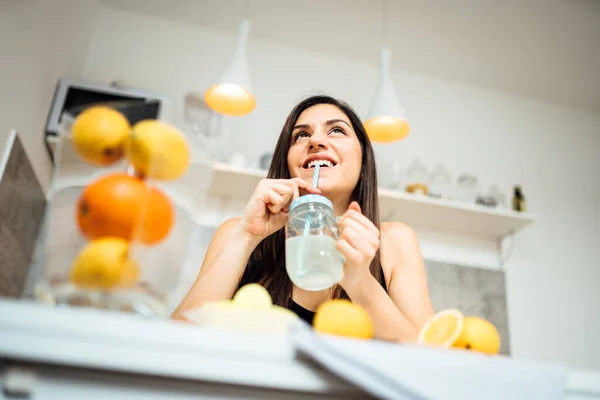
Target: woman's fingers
[(354, 213), (302, 184), (274, 201), (350, 253), (278, 194), (358, 241), (285, 190), (368, 235)]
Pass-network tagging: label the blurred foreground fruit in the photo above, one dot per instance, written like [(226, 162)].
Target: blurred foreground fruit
[(478, 335), (124, 206), (104, 264), (99, 134), (253, 296), (250, 310), (443, 329), (158, 150), (449, 328), (343, 318)]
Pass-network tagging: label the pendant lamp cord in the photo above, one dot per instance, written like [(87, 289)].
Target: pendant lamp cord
[(384, 10), (246, 9)]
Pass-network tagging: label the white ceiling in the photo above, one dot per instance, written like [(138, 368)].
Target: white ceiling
[(543, 49)]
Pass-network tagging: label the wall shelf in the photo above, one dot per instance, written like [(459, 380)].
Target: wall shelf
[(419, 212), (449, 231)]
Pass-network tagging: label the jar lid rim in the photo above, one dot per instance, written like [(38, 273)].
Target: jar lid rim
[(311, 198)]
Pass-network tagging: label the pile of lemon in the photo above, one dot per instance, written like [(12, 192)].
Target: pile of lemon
[(120, 208), (446, 329), (451, 329)]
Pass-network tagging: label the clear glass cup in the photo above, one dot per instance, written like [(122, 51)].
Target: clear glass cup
[(440, 182), (417, 178), (312, 261), (159, 264), (467, 188), (496, 198)]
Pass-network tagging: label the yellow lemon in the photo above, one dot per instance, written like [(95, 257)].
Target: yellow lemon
[(443, 329), (478, 335), (343, 318), (158, 150), (99, 134), (104, 264), (253, 296)]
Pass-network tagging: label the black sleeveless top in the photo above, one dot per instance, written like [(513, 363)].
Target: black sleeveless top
[(308, 316), (302, 312)]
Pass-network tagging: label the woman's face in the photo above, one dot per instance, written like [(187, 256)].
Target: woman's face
[(323, 134)]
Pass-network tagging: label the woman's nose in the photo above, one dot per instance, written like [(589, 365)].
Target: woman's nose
[(318, 140)]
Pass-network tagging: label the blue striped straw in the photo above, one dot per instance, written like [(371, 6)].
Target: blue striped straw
[(316, 176), (300, 271), (315, 183)]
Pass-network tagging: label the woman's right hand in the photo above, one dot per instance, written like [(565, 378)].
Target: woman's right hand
[(267, 210)]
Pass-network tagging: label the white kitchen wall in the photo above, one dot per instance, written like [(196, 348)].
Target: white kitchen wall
[(553, 274), (40, 41)]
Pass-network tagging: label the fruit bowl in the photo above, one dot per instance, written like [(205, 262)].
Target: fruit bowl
[(118, 228)]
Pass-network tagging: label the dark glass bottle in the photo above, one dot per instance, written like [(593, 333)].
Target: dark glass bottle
[(518, 200)]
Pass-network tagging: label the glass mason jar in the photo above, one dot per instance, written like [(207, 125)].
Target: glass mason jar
[(417, 178), (311, 259), (158, 264), (467, 188), (440, 183)]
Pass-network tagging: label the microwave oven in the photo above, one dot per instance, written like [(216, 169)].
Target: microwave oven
[(74, 95)]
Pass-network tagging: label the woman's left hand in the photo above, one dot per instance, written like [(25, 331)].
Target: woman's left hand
[(358, 242)]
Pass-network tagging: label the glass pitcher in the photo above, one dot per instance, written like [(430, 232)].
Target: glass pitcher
[(159, 264)]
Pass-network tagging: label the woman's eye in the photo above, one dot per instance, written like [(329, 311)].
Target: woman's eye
[(300, 135), (337, 131)]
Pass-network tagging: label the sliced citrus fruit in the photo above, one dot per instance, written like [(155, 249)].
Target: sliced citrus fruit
[(443, 329)]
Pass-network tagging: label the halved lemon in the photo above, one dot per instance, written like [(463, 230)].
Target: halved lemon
[(443, 329)]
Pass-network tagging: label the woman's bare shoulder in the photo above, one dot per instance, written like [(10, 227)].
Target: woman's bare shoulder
[(399, 243), (396, 232)]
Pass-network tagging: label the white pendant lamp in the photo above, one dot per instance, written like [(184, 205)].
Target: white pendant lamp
[(386, 121), (232, 94)]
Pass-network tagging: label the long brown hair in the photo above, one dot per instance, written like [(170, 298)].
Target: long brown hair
[(266, 265)]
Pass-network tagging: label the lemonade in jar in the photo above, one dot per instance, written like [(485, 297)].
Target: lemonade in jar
[(312, 261)]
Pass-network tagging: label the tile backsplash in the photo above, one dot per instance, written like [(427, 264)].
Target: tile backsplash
[(22, 206)]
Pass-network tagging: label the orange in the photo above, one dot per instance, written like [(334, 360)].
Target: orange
[(99, 134), (343, 318), (443, 329), (478, 335), (104, 264), (124, 206)]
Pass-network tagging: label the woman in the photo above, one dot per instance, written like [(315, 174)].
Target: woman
[(383, 271)]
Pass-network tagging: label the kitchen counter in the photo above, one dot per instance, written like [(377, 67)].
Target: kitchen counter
[(72, 353)]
